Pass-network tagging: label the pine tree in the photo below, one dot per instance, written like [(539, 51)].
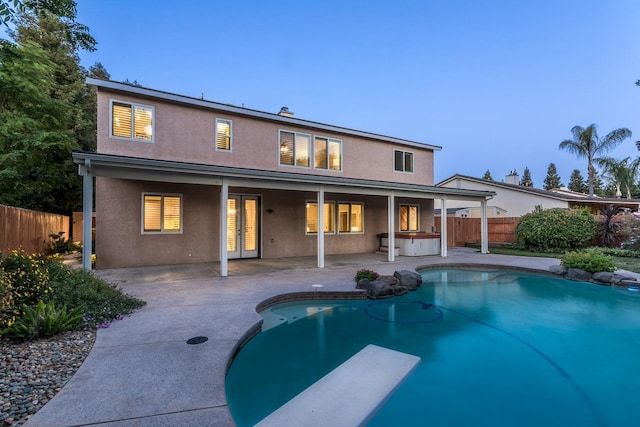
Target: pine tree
[(552, 179), (487, 175), (526, 178), (577, 183)]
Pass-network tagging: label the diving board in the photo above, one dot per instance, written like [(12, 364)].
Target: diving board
[(349, 395)]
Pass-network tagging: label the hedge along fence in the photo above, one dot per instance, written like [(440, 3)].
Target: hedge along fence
[(29, 230)]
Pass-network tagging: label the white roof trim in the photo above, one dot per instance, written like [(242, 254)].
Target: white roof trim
[(179, 172)]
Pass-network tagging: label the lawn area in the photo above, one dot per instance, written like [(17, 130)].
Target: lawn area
[(624, 263)]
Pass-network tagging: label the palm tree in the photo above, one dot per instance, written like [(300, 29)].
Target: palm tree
[(621, 173), (586, 144)]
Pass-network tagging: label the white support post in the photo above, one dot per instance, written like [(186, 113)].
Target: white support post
[(224, 202), (321, 227), (484, 229), (87, 213), (443, 227), (391, 254)]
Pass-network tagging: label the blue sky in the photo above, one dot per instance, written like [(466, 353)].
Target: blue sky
[(497, 83)]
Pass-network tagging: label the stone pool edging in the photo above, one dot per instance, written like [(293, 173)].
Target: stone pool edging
[(603, 278)]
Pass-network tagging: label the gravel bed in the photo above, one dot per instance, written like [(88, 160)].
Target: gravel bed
[(31, 373)]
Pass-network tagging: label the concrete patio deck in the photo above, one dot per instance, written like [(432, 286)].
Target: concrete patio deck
[(141, 371)]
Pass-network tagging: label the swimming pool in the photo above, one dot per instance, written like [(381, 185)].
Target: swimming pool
[(498, 348)]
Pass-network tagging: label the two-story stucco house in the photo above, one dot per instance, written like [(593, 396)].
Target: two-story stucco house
[(185, 180)]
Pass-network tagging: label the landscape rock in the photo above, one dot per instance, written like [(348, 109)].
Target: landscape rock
[(602, 278), (559, 269), (409, 279), (578, 275), (384, 287)]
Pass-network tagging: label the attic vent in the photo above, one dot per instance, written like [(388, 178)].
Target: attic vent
[(284, 111)]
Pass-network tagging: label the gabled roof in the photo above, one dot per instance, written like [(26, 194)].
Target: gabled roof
[(247, 112), (556, 195)]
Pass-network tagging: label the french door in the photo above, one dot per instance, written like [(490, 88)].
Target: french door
[(242, 226)]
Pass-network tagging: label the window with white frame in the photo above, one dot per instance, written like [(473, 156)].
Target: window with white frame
[(312, 217), (161, 213), (350, 217), (402, 161), (223, 134), (327, 153), (409, 217), (295, 149), (132, 121)]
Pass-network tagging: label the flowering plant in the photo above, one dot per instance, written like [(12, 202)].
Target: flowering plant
[(366, 274)]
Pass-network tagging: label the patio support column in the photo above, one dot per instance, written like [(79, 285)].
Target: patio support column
[(224, 203), (484, 228), (391, 253), (443, 227), (321, 227), (87, 213)]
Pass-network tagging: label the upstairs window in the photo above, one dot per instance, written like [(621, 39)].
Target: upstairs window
[(132, 121), (402, 161), (327, 153), (312, 217), (161, 213), (223, 135), (295, 149), (409, 215), (350, 217)]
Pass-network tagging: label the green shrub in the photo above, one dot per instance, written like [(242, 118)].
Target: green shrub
[(616, 252), (366, 274), (61, 246), (43, 321), (25, 282), (102, 301), (592, 261), (27, 279), (556, 229)]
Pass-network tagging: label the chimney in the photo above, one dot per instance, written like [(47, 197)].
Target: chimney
[(284, 112), (512, 178)]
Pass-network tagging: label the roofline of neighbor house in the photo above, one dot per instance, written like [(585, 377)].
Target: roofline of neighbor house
[(114, 165), (202, 103), (540, 192)]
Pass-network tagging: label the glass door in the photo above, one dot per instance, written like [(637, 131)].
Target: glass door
[(242, 226)]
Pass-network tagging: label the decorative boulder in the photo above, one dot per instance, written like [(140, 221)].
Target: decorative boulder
[(602, 278), (577, 275), (363, 284), (559, 269), (384, 287), (409, 279), (620, 280)]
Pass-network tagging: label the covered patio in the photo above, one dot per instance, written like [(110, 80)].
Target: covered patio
[(221, 179)]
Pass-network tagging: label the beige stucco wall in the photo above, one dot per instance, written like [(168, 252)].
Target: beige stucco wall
[(119, 239), (516, 203), (187, 134), (120, 242)]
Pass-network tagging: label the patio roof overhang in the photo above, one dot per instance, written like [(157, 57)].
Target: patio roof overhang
[(123, 167)]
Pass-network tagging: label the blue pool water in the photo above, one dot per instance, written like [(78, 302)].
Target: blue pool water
[(498, 348)]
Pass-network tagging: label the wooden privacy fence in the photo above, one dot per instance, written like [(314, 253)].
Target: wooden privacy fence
[(461, 231), (29, 230)]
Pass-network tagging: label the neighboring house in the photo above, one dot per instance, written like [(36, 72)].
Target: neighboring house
[(516, 200), (185, 180)]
